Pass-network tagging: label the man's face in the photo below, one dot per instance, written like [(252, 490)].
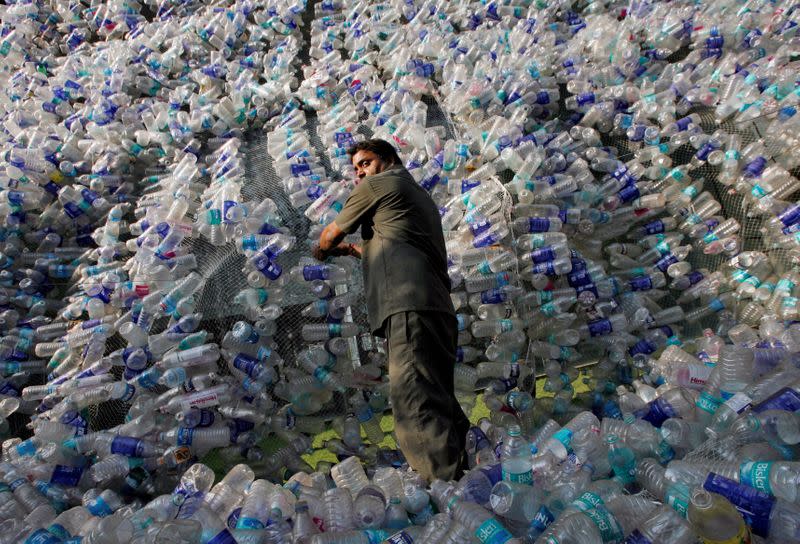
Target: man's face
[(368, 163)]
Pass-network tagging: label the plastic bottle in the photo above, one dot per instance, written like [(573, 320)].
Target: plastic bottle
[(714, 518)]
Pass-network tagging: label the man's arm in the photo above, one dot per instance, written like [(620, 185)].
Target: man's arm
[(330, 244)]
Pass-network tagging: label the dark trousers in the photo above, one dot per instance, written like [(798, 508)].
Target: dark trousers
[(429, 423)]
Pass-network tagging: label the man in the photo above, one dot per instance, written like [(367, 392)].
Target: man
[(408, 302)]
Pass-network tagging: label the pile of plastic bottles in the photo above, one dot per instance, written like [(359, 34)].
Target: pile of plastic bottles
[(618, 188)]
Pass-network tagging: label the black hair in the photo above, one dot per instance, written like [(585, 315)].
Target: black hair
[(383, 149)]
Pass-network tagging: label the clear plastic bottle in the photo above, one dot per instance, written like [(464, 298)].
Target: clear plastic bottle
[(338, 510), (515, 457), (369, 508), (350, 474)]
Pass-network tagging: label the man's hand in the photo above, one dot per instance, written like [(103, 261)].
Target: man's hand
[(342, 250), (330, 243), (318, 253)]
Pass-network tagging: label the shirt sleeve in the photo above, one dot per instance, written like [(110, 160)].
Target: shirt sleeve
[(360, 203)]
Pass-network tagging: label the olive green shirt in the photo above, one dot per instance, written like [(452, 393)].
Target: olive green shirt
[(403, 255)]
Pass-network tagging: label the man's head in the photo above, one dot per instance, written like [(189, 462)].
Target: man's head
[(372, 157)]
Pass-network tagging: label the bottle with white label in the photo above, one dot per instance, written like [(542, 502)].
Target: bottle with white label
[(728, 412)]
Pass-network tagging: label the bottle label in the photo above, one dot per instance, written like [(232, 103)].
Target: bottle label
[(263, 353), (756, 474), (657, 412), (147, 380), (609, 528), (738, 403), (492, 531), (16, 483), (223, 537), (677, 499), (99, 508), (637, 538), (185, 436), (506, 325), (400, 538), (708, 403), (65, 475), (538, 224), (698, 375), (246, 364), (492, 296), (786, 399), (587, 501), (543, 518), (644, 283), (518, 477), (754, 506), (42, 536), (543, 255), (59, 530), (600, 327), (252, 524), (376, 536), (26, 448), (127, 446), (130, 391), (564, 436)]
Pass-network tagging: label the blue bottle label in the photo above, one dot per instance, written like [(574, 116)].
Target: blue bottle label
[(42, 536), (786, 399), (99, 507), (233, 518), (401, 537), (538, 224), (493, 296), (543, 518), (655, 227), (599, 327), (755, 506), (314, 272), (127, 445), (185, 436), (543, 255), (657, 412), (644, 283), (664, 262), (246, 364), (26, 448), (637, 537), (65, 475)]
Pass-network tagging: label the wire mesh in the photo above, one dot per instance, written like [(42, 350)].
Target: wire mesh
[(221, 266)]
